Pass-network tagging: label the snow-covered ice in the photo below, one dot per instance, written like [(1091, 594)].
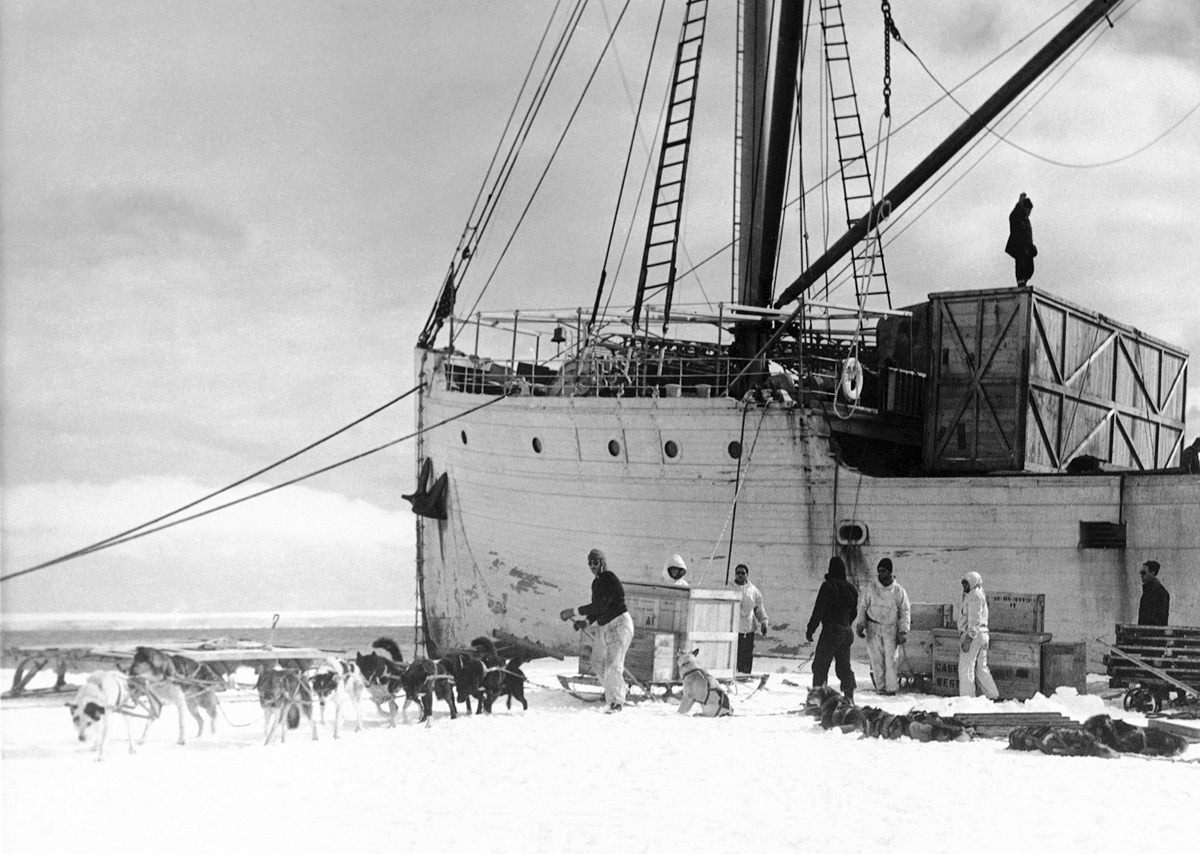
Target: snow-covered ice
[(565, 777)]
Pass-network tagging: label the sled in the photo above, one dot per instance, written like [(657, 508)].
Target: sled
[(1176, 647)]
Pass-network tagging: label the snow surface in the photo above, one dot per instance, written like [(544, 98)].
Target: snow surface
[(565, 777)]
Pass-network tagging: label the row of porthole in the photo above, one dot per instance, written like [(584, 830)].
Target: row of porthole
[(670, 448)]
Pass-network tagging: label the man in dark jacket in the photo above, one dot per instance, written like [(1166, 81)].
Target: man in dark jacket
[(607, 610), (1020, 239), (836, 607), (1155, 607)]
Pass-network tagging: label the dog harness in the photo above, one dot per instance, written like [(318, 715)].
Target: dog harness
[(713, 687)]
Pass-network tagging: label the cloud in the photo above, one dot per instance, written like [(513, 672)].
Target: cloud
[(297, 548), (89, 228)]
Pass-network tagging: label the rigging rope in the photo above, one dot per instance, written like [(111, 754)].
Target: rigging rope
[(553, 154), (115, 538), (144, 530), (731, 516), (1043, 158), (637, 116)]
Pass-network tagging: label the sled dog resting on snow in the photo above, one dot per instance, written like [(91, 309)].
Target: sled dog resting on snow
[(700, 688), (106, 693)]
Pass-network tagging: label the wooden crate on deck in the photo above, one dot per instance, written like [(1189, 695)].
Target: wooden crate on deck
[(1015, 661), (1021, 380)]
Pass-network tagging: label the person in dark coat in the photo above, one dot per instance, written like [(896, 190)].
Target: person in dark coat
[(1155, 607), (1020, 240), (834, 611), (607, 610)]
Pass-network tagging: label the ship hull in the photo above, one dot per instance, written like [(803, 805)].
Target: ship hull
[(535, 482)]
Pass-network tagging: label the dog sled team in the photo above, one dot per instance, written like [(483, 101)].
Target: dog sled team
[(287, 694)]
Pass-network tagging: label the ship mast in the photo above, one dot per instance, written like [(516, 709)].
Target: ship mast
[(940, 156), (766, 135)]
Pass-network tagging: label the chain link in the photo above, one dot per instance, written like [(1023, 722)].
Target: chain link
[(889, 31)]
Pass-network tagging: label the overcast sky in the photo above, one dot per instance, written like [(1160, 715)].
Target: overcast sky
[(225, 222)]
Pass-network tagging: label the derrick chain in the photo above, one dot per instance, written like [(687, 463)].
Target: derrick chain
[(889, 32)]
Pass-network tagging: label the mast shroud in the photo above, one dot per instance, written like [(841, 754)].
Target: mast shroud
[(964, 133)]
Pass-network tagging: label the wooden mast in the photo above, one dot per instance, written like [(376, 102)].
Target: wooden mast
[(766, 135)]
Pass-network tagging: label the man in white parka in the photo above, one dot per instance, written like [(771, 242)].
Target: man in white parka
[(974, 639), (884, 618)]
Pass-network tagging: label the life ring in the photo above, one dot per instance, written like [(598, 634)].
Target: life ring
[(852, 378)]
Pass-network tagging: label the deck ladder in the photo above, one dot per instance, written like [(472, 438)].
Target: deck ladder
[(657, 277), (870, 273)]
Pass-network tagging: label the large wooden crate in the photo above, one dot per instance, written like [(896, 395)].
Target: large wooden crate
[(669, 619), (1020, 380), (917, 656), (1016, 612), (1015, 661)]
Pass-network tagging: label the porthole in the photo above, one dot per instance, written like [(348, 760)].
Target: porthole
[(463, 434), (537, 445), (614, 448), (671, 449), (851, 532), (735, 449)]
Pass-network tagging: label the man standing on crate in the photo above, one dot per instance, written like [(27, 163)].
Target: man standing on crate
[(884, 617), (974, 639), (753, 618), (1155, 606), (607, 610)]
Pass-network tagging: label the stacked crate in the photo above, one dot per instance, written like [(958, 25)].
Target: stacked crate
[(1016, 623), (666, 621), (916, 659)]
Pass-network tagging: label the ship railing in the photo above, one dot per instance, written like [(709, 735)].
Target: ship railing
[(551, 353)]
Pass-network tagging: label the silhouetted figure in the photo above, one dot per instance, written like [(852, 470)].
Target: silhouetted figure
[(1155, 606), (1020, 240), (1189, 458)]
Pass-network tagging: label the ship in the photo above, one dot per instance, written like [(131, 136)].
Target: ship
[(1002, 430)]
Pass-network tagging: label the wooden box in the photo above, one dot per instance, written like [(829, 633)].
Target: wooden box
[(1020, 380), (916, 659), (1016, 612), (1064, 664), (1015, 661), (926, 617), (669, 619)]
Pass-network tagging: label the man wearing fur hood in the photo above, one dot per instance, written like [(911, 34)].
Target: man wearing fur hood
[(973, 640), (884, 618)]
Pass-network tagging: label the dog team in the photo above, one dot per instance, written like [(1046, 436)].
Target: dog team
[(288, 691)]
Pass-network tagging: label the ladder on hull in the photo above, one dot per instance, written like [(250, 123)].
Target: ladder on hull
[(870, 272)]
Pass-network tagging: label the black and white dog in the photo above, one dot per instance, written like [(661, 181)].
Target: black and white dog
[(382, 670), (338, 681), (106, 693)]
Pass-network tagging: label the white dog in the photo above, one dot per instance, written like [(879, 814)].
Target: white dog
[(338, 681), (700, 688), (106, 693)]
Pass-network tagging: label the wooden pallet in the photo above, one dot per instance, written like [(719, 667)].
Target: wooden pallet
[(1156, 656), (1000, 724)]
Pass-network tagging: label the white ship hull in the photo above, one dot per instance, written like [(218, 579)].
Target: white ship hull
[(512, 552)]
